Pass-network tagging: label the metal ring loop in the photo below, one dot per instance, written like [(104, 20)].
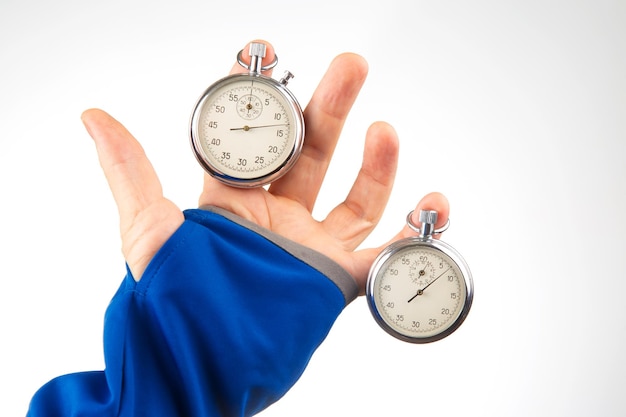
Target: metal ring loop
[(263, 68), (416, 229)]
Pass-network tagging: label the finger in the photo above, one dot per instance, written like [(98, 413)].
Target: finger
[(433, 201), (353, 220), (324, 117), (147, 219), (130, 174), (364, 258)]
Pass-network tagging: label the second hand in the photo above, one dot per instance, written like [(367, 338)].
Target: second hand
[(246, 127)]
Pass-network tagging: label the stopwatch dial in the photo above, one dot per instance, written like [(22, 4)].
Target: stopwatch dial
[(420, 292), (247, 128)]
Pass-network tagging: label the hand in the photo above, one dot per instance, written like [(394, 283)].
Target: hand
[(148, 219)]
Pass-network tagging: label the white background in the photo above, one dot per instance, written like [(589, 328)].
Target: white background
[(516, 110)]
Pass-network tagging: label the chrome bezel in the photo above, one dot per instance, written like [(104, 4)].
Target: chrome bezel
[(379, 265), (274, 174)]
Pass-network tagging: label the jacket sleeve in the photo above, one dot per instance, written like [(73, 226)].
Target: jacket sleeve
[(222, 323)]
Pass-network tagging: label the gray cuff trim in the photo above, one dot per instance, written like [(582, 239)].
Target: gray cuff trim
[(315, 259)]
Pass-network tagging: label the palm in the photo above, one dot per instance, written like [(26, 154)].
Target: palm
[(281, 215), (148, 219)]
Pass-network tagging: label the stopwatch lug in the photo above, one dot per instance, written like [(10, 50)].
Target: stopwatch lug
[(428, 218), (286, 77), (257, 53)]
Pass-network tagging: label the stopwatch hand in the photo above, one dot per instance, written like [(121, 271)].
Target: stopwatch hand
[(246, 127)]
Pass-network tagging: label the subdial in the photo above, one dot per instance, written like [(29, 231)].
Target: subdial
[(422, 273), (249, 107)]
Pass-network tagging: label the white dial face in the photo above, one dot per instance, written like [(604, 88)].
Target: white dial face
[(246, 128), (419, 292)]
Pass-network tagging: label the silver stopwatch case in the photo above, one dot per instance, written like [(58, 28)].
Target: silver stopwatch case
[(247, 130), (420, 289)]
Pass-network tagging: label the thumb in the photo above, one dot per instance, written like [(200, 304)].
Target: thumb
[(147, 219), (128, 171)]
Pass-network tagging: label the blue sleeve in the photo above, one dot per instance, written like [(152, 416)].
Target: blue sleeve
[(222, 323)]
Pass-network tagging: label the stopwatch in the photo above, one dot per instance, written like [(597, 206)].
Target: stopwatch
[(247, 130), (420, 289)]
